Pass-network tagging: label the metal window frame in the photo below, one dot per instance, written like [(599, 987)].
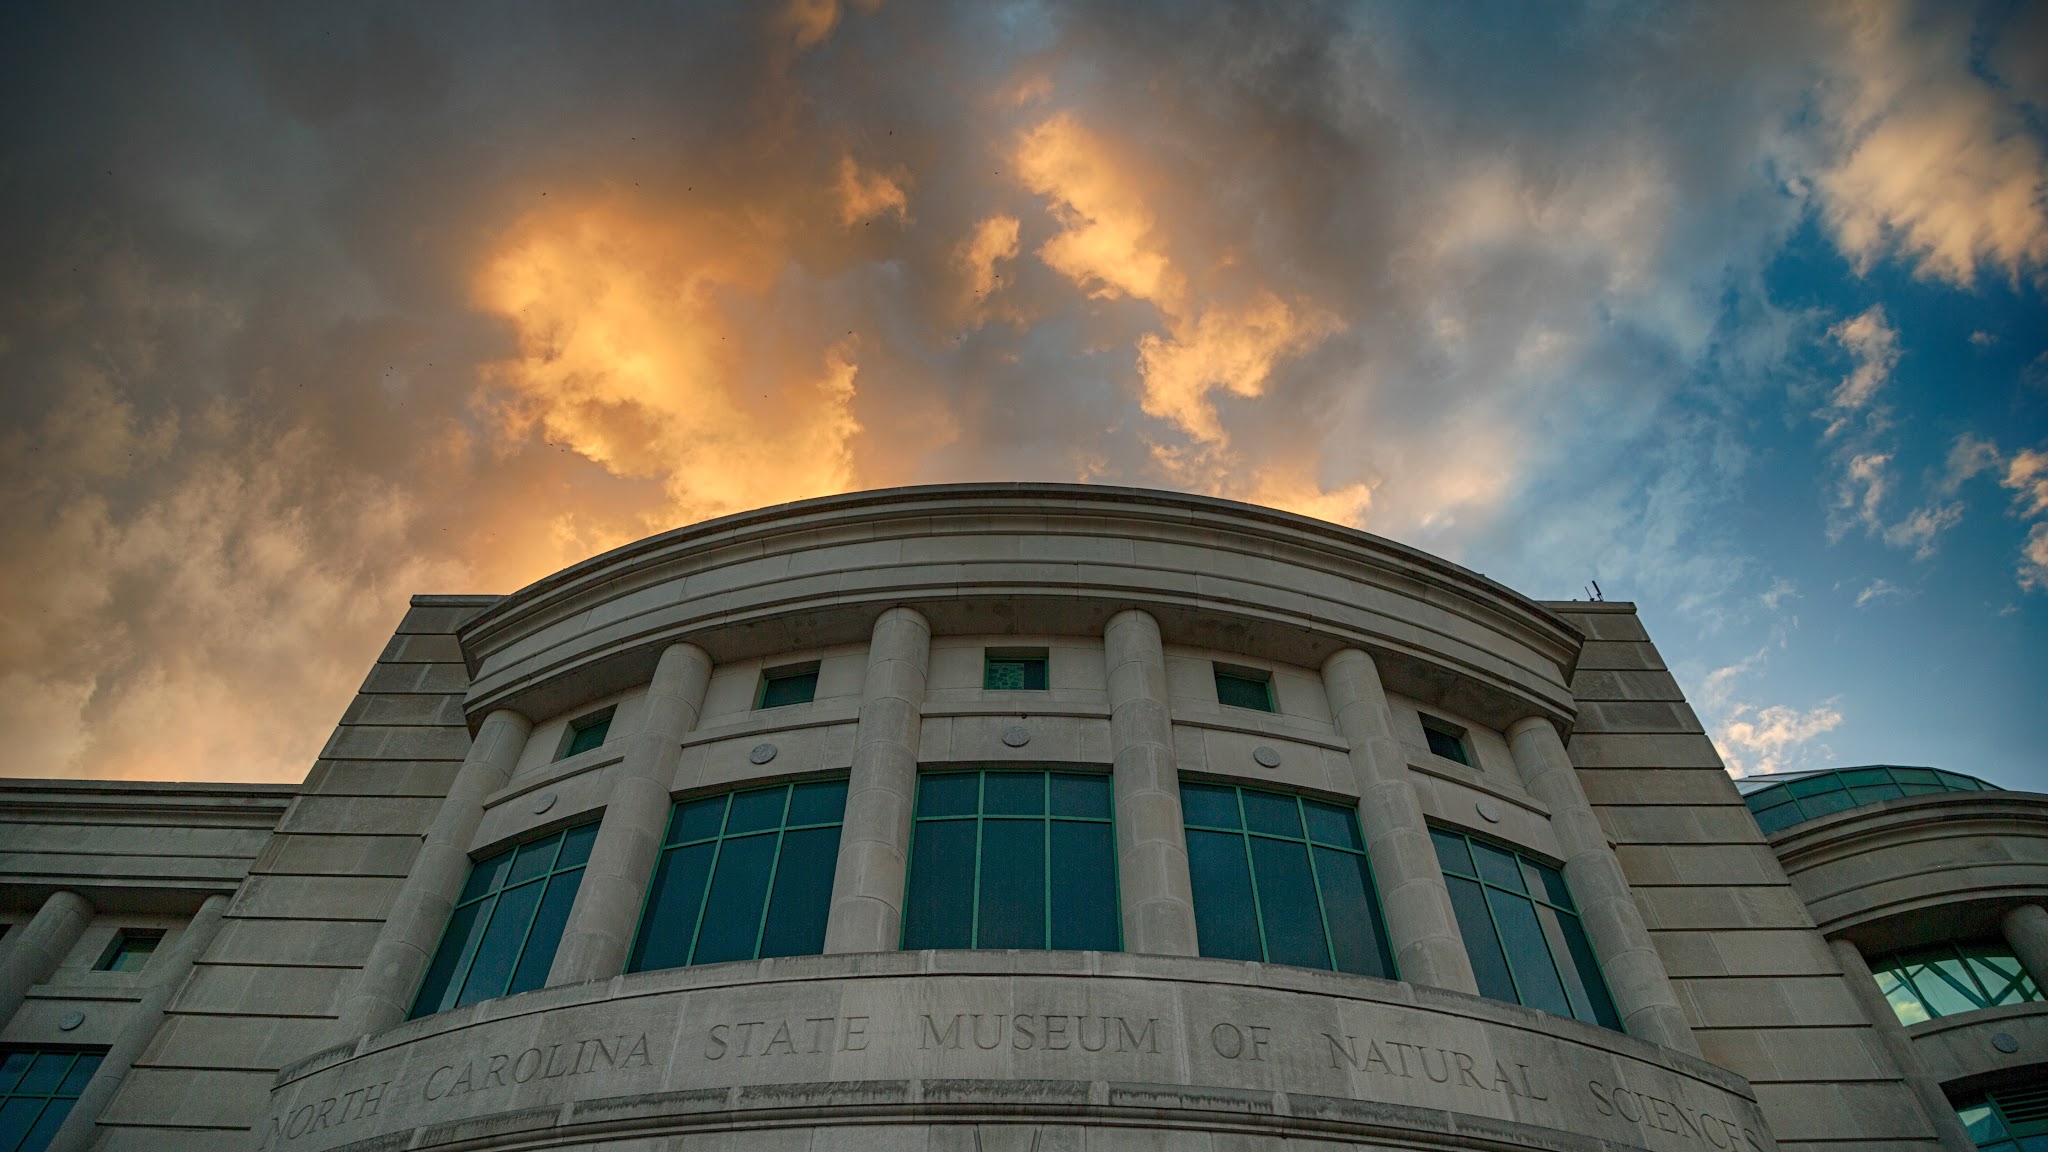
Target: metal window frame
[(581, 724), (786, 672), (1244, 833), (1783, 795), (1898, 966), (37, 1051), (718, 841), (993, 656), (459, 978), (981, 817), (1480, 879)]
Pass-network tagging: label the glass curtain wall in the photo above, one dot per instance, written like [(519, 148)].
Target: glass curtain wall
[(1522, 930), (1949, 978), (744, 875), (502, 936), (1004, 858), (1282, 879)]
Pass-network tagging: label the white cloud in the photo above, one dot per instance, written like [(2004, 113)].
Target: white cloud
[(1878, 591), (1757, 740)]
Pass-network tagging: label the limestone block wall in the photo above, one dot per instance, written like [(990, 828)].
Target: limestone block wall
[(268, 988), (1758, 982)]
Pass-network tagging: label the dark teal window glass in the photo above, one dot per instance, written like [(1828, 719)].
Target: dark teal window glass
[(2011, 1119), (1282, 879), (1779, 806), (1522, 930), (131, 950), (1012, 859), (1446, 740), (502, 936), (1244, 688), (1950, 978), (742, 876), (37, 1089), (797, 684), (587, 733), (1008, 670)]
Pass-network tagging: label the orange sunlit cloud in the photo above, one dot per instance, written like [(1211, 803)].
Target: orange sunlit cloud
[(630, 356)]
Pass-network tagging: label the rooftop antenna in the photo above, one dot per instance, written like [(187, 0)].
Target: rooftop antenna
[(1593, 592)]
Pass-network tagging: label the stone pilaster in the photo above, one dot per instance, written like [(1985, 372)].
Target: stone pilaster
[(167, 974), (1635, 973), (405, 946), (33, 953), (599, 934), (1421, 924), (1151, 840), (1899, 1046), (874, 843)]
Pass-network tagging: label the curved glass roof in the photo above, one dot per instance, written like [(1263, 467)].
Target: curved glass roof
[(1783, 799)]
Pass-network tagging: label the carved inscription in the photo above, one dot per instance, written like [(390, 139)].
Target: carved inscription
[(354, 1104), (1234, 1043), (812, 1034), (502, 1069), (1439, 1065), (1671, 1116), (1026, 1031)]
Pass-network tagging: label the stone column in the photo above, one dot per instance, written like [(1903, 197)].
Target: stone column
[(1876, 1009), (1421, 924), (41, 945), (383, 994), (1151, 839), (167, 974), (1635, 973), (599, 934), (2026, 932), (874, 843)]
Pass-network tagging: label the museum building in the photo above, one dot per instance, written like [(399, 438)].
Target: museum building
[(1023, 817)]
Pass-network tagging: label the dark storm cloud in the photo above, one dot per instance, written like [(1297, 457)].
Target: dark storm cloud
[(308, 307)]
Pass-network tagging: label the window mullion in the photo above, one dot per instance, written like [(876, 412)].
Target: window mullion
[(1045, 828), (1498, 934), (1251, 869), (526, 933), (974, 877), (1315, 879), (710, 877)]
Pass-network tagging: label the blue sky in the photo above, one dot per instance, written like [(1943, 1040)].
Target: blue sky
[(1734, 308)]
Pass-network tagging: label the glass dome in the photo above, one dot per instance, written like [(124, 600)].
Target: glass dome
[(1787, 798)]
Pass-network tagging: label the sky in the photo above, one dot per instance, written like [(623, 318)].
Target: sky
[(1736, 309)]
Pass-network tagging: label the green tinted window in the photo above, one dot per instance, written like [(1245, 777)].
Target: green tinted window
[(793, 685), (1811, 797), (502, 936), (1522, 930), (131, 950), (587, 732), (1947, 979), (1014, 670), (1013, 859), (1446, 740), (742, 876), (1244, 688), (37, 1089), (1282, 879), (2013, 1119)]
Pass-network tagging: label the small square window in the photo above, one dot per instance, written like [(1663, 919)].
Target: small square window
[(1244, 688), (1446, 740), (586, 732), (130, 950), (1014, 669), (794, 684)]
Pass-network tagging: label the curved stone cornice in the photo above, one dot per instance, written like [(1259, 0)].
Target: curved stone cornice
[(1923, 868), (1131, 1041), (1023, 558)]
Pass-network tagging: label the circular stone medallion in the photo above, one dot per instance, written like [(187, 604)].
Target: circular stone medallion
[(1267, 756), (1016, 736), (71, 1020), (1488, 812), (762, 753), (2005, 1043), (543, 802)]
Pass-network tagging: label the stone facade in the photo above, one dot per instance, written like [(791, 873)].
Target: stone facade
[(297, 924)]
